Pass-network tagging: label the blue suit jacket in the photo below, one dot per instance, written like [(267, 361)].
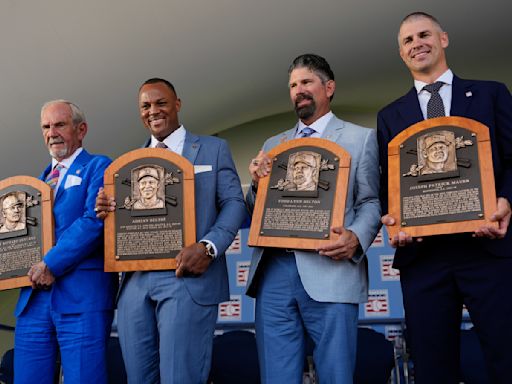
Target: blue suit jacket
[(220, 210), (488, 102), (76, 259), (324, 279)]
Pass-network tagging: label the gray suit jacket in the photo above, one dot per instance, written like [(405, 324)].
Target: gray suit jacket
[(324, 279)]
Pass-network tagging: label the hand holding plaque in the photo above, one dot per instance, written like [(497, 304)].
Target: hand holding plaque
[(150, 194), (441, 179), (302, 188), (26, 228)]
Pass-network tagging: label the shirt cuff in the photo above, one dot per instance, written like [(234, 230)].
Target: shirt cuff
[(215, 253)]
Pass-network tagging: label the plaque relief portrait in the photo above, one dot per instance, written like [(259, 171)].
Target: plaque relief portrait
[(302, 172), (437, 154), (13, 216), (148, 189)]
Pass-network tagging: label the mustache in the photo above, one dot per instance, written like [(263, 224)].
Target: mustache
[(301, 97), (55, 141)]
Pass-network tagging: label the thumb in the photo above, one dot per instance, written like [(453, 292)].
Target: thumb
[(338, 230)]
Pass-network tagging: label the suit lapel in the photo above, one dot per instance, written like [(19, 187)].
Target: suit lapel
[(333, 129), (191, 147), (409, 108), (462, 96), (76, 169)]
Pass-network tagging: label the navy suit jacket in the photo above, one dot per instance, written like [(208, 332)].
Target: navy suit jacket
[(76, 259), (220, 210), (488, 102)]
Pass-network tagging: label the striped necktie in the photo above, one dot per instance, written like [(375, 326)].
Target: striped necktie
[(53, 177), (306, 132), (161, 145)]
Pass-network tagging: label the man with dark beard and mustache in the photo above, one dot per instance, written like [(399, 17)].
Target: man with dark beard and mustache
[(316, 292)]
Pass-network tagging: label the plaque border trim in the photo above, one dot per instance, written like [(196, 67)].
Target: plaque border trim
[(47, 233), (485, 165), (112, 264), (340, 196)]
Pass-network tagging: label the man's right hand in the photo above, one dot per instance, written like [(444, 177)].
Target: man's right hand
[(402, 238), (259, 167), (104, 204)]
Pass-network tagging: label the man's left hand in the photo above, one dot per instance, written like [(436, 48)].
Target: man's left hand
[(502, 216), (342, 249), (41, 276), (192, 260)]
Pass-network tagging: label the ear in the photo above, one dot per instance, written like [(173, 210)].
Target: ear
[(178, 104), (444, 39), (330, 87), (82, 130)]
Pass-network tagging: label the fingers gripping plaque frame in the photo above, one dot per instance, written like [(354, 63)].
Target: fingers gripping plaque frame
[(155, 210)]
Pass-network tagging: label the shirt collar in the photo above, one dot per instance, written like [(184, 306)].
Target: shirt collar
[(446, 78), (319, 124), (172, 140), (68, 161)]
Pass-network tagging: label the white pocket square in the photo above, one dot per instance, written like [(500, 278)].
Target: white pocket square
[(72, 180), (202, 168)]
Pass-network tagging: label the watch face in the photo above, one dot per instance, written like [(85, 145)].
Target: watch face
[(209, 249)]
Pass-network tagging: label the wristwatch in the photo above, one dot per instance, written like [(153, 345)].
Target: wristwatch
[(209, 249)]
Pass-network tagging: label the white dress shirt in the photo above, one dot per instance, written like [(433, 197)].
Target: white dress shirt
[(319, 125), (445, 92), (175, 141), (66, 164)]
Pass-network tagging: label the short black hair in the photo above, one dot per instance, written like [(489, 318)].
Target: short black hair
[(156, 80), (314, 63)]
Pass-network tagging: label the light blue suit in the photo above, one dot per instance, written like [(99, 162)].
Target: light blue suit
[(166, 324), (323, 279), (77, 311)]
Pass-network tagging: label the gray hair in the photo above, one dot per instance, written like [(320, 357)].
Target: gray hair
[(76, 114)]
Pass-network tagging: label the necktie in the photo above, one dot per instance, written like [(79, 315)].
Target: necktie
[(161, 145), (53, 177), (306, 132), (435, 107)]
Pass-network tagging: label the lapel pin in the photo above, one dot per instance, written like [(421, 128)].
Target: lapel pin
[(469, 94), (77, 171)]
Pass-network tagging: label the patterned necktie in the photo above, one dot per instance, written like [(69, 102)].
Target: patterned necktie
[(435, 107), (306, 132), (161, 145), (53, 177)]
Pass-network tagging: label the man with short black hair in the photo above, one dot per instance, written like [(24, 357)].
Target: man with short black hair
[(316, 293), (166, 319)]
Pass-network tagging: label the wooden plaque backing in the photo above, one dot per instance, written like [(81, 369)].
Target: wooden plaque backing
[(112, 261), (486, 174), (45, 202), (257, 239)]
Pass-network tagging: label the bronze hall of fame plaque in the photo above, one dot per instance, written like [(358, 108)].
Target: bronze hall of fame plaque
[(26, 228), (155, 216), (303, 197), (441, 177)]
